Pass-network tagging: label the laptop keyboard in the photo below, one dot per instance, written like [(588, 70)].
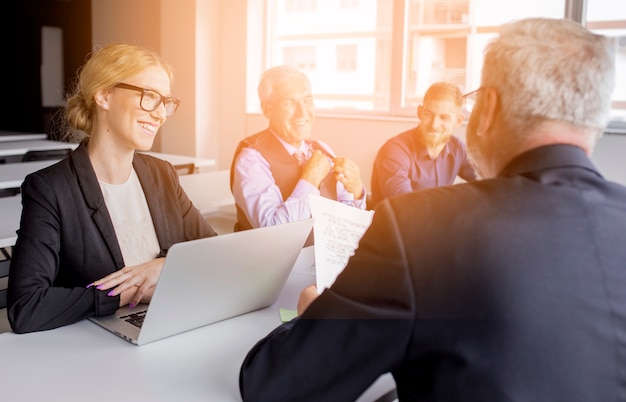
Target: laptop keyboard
[(135, 318)]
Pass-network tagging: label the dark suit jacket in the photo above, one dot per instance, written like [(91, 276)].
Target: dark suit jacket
[(66, 239), (510, 289)]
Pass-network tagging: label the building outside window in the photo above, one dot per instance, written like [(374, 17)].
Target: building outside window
[(303, 57), (346, 58), (378, 57), (606, 18)]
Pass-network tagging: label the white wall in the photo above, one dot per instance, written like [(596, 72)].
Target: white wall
[(178, 46), (176, 29), (136, 21)]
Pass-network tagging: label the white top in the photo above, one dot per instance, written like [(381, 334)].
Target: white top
[(132, 221)]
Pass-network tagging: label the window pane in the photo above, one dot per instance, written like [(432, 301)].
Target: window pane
[(343, 46), (606, 19), (446, 39), (496, 12), (605, 10), (346, 58), (365, 56)]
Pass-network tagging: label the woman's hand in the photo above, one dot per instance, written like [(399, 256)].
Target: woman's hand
[(134, 284)]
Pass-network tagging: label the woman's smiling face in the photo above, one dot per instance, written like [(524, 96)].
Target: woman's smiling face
[(291, 110), (131, 126)]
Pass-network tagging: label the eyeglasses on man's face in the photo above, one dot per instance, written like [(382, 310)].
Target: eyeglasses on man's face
[(470, 99), (151, 100), (472, 95)]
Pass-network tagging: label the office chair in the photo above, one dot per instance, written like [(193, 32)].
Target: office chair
[(45, 154), (9, 192), (185, 168)]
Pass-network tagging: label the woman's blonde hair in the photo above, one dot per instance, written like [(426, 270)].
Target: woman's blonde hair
[(104, 69)]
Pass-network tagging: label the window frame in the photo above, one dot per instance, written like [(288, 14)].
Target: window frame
[(398, 107)]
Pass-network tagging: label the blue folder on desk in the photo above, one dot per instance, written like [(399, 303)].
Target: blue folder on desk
[(207, 280)]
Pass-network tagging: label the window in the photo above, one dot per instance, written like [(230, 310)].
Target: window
[(605, 18), (303, 57), (300, 6), (343, 46), (348, 4), (446, 39), (378, 57), (346, 58)]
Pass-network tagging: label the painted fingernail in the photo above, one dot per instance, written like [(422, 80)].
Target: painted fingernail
[(111, 293), (90, 285), (99, 287), (132, 305)]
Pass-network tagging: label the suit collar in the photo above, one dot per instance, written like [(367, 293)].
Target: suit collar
[(548, 157), (86, 177), (90, 188)]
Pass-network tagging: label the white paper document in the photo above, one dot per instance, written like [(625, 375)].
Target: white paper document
[(337, 230)]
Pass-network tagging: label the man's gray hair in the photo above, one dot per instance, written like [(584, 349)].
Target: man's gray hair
[(551, 70), (274, 75)]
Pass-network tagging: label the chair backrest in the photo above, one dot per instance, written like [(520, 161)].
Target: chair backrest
[(9, 192), (5, 261), (185, 168), (45, 154), (208, 190)]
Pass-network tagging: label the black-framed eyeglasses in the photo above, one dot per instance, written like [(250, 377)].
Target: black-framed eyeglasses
[(472, 95), (151, 99), (470, 99)]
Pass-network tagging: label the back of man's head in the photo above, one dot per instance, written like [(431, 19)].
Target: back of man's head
[(550, 70)]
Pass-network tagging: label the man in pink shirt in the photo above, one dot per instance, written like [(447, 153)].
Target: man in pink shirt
[(275, 170)]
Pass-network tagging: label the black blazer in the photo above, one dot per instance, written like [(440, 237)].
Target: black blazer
[(510, 289), (66, 239)]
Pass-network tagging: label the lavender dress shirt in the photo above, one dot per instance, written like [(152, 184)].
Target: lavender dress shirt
[(257, 194)]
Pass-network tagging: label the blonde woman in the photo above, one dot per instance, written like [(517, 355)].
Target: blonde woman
[(95, 227)]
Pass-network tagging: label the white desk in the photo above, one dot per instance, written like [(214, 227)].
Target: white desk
[(10, 214), (10, 148), (85, 362), (208, 190), (182, 160), (11, 145), (12, 174), (18, 136)]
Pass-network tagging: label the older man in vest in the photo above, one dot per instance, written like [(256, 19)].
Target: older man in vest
[(274, 171)]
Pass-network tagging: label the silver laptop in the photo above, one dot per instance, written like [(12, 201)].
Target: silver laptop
[(212, 279)]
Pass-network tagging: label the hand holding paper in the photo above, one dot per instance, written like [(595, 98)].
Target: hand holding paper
[(337, 231)]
